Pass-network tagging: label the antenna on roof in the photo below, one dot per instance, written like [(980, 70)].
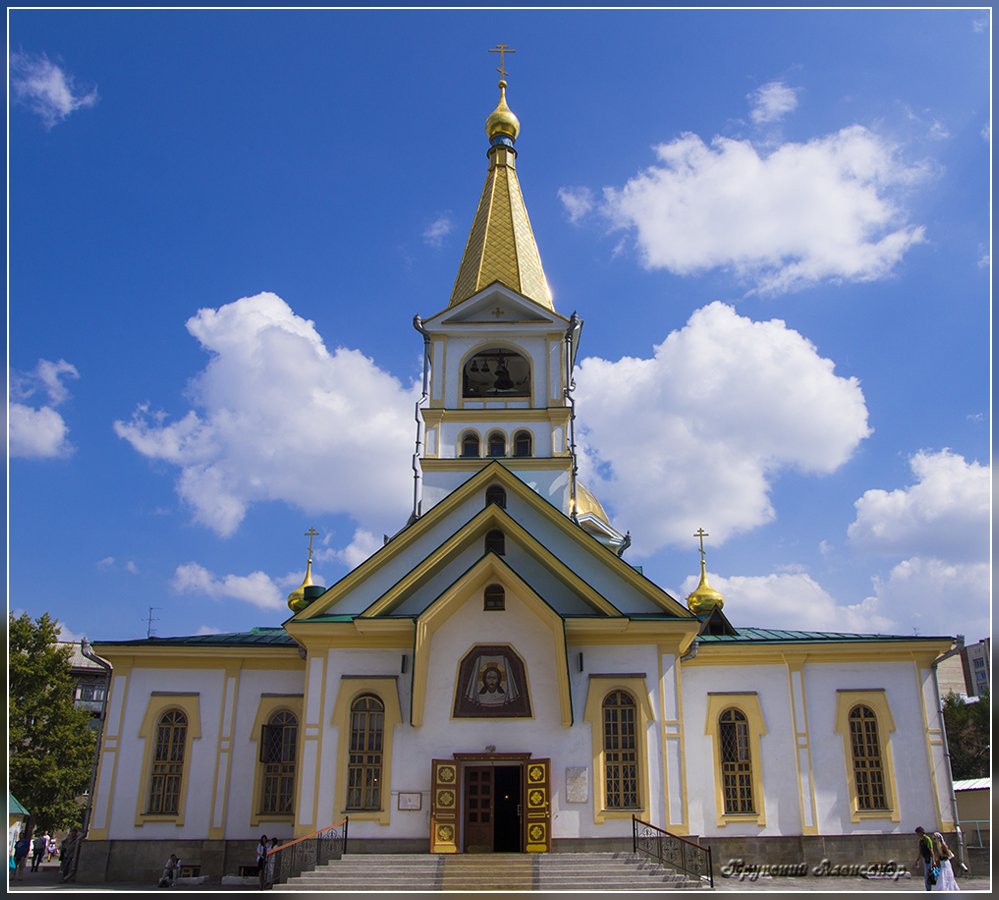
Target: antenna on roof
[(149, 621)]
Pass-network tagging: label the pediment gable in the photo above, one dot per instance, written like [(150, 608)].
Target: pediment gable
[(466, 529), (496, 305)]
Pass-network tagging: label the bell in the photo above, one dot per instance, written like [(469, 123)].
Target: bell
[(503, 382), (474, 366)]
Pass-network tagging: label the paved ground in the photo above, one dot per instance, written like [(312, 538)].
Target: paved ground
[(47, 879)]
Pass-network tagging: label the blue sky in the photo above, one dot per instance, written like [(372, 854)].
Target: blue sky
[(775, 225)]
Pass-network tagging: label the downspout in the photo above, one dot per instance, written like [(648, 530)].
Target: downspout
[(417, 495), (954, 651), (570, 386), (88, 652)]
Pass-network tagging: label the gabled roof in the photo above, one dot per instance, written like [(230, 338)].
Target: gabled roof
[(494, 472), (497, 304)]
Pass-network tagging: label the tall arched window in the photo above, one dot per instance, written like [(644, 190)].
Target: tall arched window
[(736, 762), (620, 750), (494, 597), (497, 443), (278, 746), (496, 494), (522, 443), (364, 764), (868, 772), (168, 763), (495, 541), (470, 444)]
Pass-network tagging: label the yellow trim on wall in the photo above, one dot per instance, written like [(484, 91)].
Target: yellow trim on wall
[(387, 690), (266, 708), (224, 751), (158, 704), (749, 705), (801, 732), (597, 690), (877, 702)]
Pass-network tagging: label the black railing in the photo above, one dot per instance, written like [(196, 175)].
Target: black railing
[(309, 852), (672, 851)]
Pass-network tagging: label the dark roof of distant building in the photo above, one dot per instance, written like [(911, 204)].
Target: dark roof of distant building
[(780, 636), (271, 637)]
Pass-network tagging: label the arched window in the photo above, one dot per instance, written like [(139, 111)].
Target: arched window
[(496, 372), (364, 764), (736, 762), (494, 597), (278, 745), (496, 494), (470, 444), (497, 443), (868, 773), (620, 751), (168, 763), (522, 443), (496, 541)]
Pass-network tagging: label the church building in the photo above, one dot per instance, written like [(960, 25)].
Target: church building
[(497, 677)]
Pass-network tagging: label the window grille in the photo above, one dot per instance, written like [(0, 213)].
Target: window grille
[(868, 773), (497, 444), (620, 751), (522, 443), (278, 746), (168, 764), (494, 597), (364, 766), (496, 542), (497, 495), (470, 445), (736, 762)]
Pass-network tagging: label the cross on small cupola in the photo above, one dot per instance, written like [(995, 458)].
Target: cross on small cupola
[(704, 598)]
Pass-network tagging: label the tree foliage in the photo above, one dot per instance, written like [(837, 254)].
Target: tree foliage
[(967, 727), (49, 741)]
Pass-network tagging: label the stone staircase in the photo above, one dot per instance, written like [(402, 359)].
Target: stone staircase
[(577, 872)]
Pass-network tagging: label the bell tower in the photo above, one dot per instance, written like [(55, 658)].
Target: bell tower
[(499, 359)]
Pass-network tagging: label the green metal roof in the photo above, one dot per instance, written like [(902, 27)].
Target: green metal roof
[(14, 807), (777, 636), (269, 637)]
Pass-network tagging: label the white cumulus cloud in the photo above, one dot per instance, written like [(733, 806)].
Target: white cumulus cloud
[(945, 514), (577, 202), (46, 89), (771, 102), (436, 231), (825, 210), (39, 432), (722, 406), (279, 417), (256, 588)]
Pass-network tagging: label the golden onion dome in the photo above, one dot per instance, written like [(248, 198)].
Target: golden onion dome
[(703, 598), (587, 504), (296, 599), (502, 120)]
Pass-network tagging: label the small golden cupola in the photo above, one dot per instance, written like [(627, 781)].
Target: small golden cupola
[(307, 591), (704, 598)]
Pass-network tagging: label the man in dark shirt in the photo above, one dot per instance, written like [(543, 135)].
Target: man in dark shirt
[(926, 856)]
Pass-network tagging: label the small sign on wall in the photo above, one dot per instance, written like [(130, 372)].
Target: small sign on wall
[(410, 800), (577, 784)]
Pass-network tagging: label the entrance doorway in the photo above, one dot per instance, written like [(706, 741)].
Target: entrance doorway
[(492, 808)]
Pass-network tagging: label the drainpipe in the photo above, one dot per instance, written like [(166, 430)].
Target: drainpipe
[(417, 497), (954, 651), (88, 652), (570, 386)]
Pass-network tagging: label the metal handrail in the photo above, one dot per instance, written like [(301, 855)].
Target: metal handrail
[(976, 825), (307, 852), (671, 850)]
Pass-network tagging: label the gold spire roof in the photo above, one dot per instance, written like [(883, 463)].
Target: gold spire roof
[(296, 599), (587, 503), (501, 245)]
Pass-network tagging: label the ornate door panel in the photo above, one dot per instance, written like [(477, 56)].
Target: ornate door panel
[(479, 813), (537, 806), (444, 806)]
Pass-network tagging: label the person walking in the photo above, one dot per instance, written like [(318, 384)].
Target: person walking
[(21, 849), (262, 860), (926, 856), (945, 880), (39, 845), (53, 848)]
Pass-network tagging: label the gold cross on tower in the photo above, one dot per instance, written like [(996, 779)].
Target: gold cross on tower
[(701, 534), (502, 49), (310, 534)]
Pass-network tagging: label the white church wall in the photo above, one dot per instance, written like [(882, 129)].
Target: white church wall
[(776, 748), (913, 780), (131, 781)]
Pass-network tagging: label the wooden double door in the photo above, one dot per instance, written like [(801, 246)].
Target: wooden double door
[(491, 807)]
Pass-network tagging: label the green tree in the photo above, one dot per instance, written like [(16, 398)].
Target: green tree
[(967, 727), (49, 741)]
